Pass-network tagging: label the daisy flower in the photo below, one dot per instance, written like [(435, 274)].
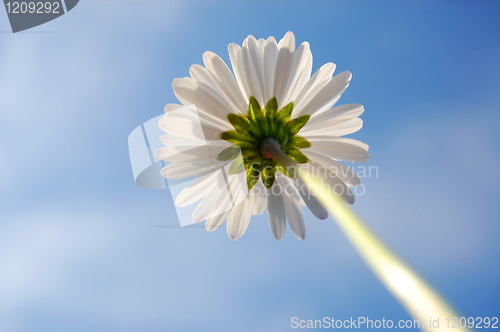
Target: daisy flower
[(270, 102)]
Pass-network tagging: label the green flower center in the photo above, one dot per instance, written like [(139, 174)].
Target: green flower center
[(256, 129)]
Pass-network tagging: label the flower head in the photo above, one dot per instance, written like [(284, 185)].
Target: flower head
[(271, 102)]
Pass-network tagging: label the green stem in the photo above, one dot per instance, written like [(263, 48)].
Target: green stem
[(419, 299)]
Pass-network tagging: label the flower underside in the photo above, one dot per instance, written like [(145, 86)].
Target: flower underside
[(251, 134)]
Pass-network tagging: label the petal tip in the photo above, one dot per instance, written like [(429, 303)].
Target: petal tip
[(208, 54), (157, 154), (233, 45), (278, 238)]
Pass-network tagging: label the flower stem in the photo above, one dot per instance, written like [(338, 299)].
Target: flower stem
[(419, 299)]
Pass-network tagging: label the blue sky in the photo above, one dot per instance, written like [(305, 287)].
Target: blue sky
[(77, 252)]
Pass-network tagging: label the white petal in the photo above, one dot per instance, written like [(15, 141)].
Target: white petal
[(186, 169), (276, 212), (192, 137), (213, 223), (198, 189), (283, 64), (172, 107), (328, 95), (333, 127), (168, 139), (345, 140), (254, 68), (215, 202), (189, 93), (260, 193), (181, 153), (262, 44), (343, 172), (195, 122), (203, 79), (291, 199), (236, 57), (239, 219), (225, 79), (310, 200), (189, 125), (187, 87), (288, 41), (270, 57), (340, 148), (313, 86), (344, 112), (304, 77), (295, 80)]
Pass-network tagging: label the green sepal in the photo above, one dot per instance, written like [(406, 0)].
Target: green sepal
[(268, 176), (252, 174), (247, 146), (254, 110), (243, 125), (281, 135), (250, 154), (238, 121), (234, 137), (285, 113), (271, 107), (263, 124), (229, 153), (237, 166), (297, 156), (270, 114), (299, 142), (272, 124), (294, 126)]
